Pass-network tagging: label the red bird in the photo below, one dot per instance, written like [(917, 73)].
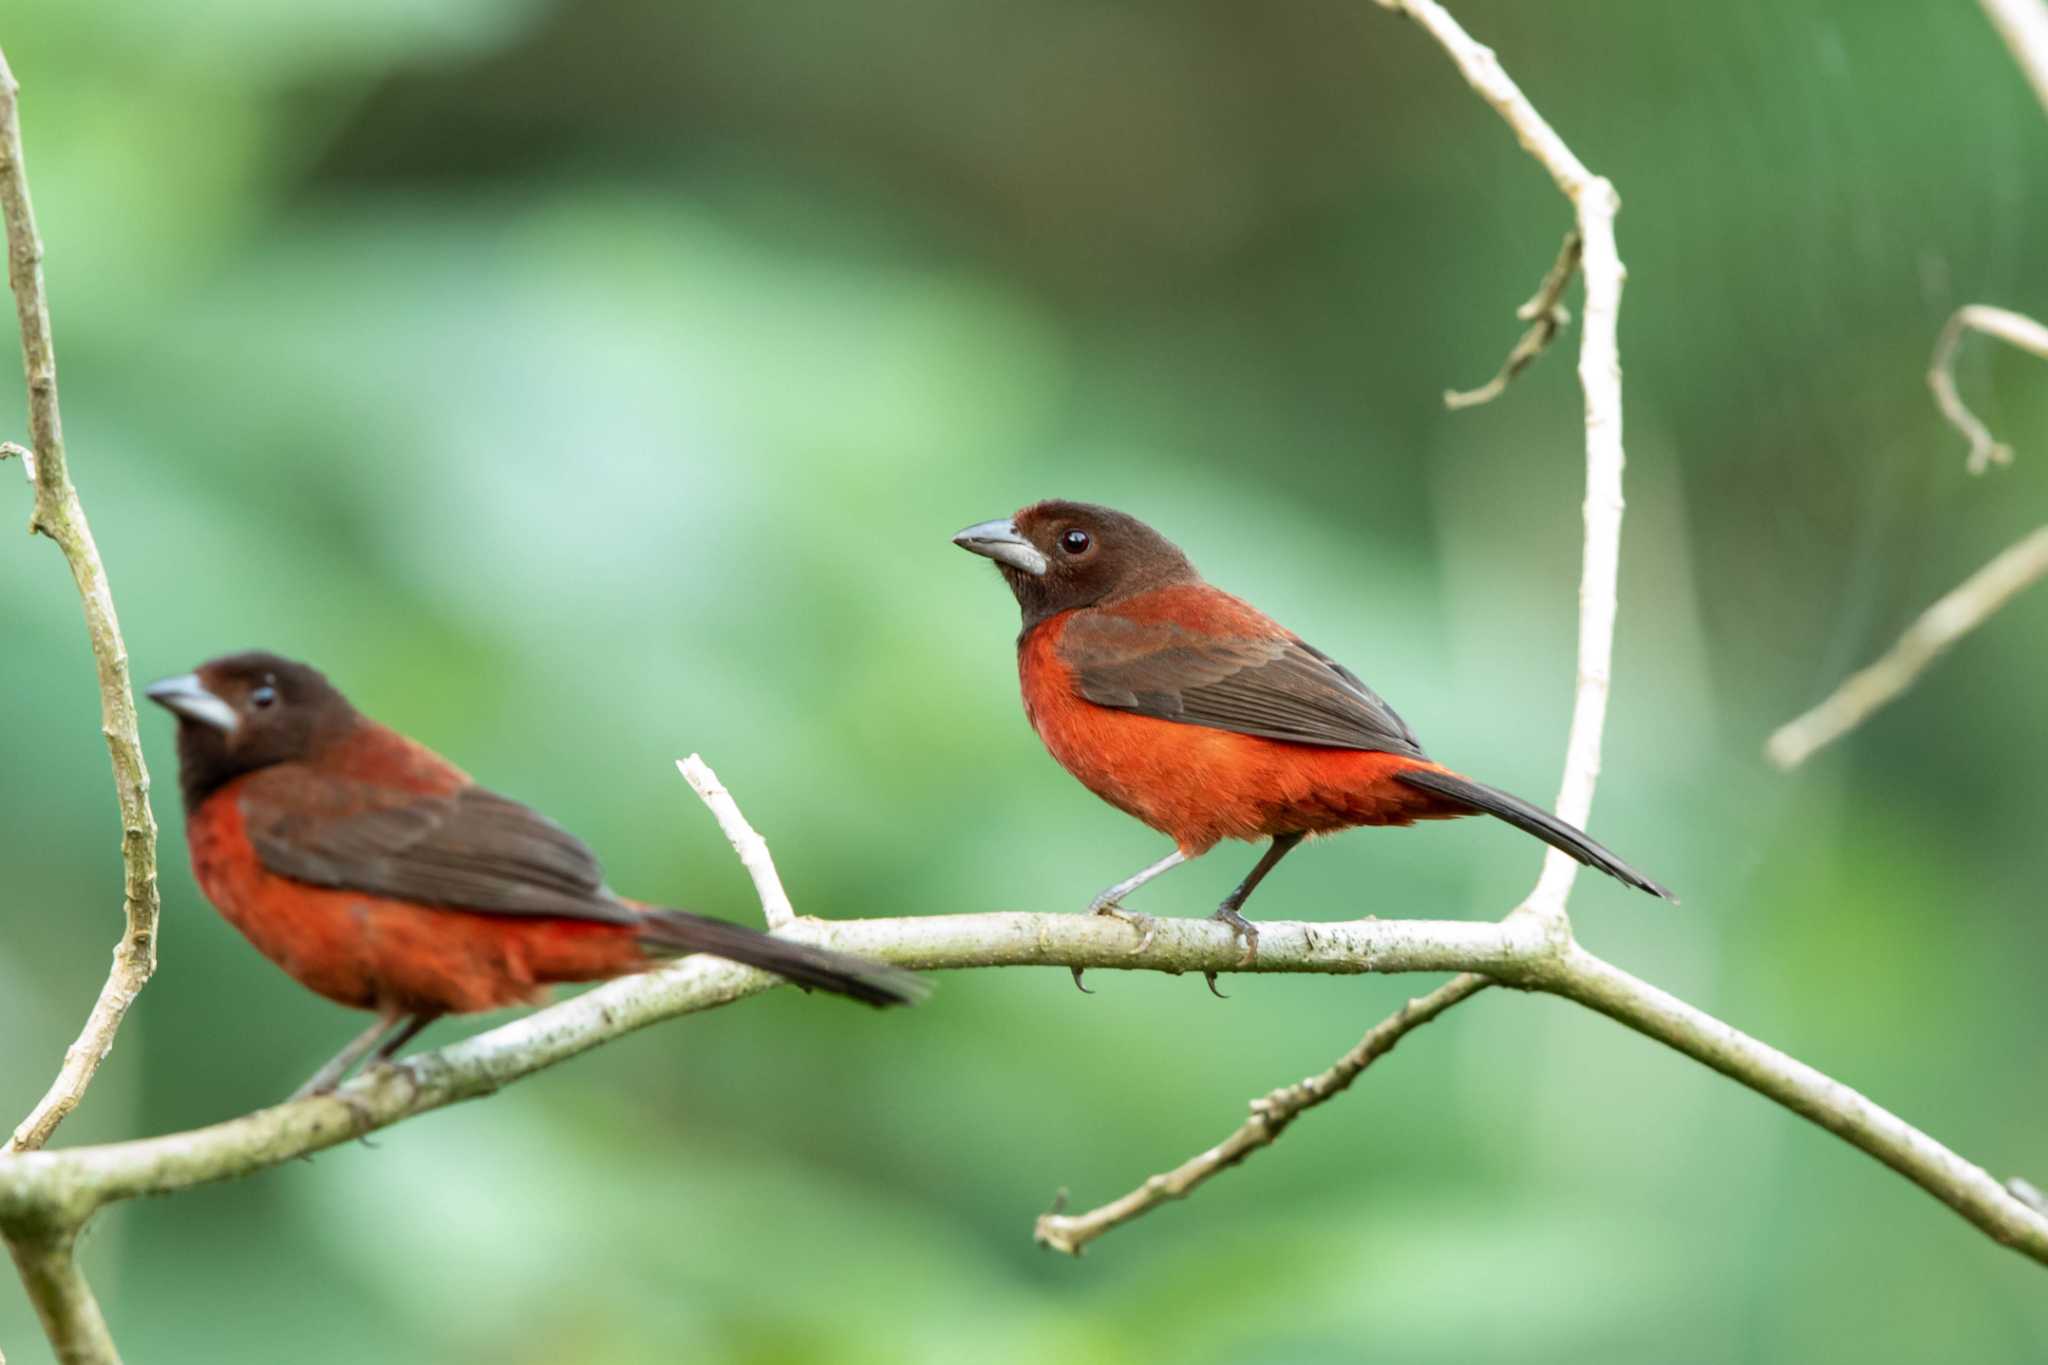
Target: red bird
[(378, 874), (1208, 720)]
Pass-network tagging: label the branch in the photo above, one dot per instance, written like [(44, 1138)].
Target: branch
[(2024, 26), (1940, 626), (751, 847), (39, 1190), (2014, 329), (43, 1194), (2017, 566), (59, 516), (1594, 204), (70, 1315), (1270, 1116), (1999, 1210)]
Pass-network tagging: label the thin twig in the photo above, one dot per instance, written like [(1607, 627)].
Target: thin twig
[(2014, 329), (1546, 315), (751, 847), (59, 516), (2024, 26), (2017, 566), (1269, 1118)]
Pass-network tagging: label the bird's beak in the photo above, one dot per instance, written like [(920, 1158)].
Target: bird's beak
[(187, 697), (999, 541)]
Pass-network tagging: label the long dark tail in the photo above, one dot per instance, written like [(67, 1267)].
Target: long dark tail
[(1530, 820), (871, 983)]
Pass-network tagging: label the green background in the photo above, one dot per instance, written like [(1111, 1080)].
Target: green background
[(583, 385)]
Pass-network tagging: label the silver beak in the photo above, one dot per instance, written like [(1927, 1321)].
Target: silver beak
[(186, 696), (999, 541)]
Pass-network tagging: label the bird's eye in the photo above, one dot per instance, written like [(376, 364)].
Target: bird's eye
[(264, 696), (1075, 542)]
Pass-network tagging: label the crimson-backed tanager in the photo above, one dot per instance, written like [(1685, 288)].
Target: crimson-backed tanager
[(379, 875), (1206, 719)]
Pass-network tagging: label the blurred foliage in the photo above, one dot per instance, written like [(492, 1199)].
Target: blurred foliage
[(586, 384)]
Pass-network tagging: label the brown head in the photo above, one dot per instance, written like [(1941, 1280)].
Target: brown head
[(242, 712), (1057, 556)]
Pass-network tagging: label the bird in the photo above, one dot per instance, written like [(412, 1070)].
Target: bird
[(378, 874), (1200, 715)]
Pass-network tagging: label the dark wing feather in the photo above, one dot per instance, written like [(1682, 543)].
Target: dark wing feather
[(1274, 686), (469, 850)]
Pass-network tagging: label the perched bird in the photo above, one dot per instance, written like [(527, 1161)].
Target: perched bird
[(1206, 719), (379, 875)]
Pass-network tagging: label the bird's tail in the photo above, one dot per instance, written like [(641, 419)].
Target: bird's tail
[(679, 932), (1530, 820)]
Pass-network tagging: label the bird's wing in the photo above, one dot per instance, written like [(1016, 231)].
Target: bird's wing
[(1271, 685), (470, 849)]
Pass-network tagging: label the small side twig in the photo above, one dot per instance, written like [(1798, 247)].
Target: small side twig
[(2002, 324), (752, 848), (1937, 628), (59, 516), (1269, 1118), (1546, 315)]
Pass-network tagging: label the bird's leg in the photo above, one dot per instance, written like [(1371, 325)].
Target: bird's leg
[(1109, 902), (410, 1031), (1282, 845), (329, 1076)]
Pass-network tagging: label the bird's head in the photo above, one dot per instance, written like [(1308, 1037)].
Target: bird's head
[(1057, 556), (242, 712)]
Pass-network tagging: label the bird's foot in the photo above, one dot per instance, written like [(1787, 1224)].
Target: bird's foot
[(1245, 930), (1144, 925), (398, 1068)]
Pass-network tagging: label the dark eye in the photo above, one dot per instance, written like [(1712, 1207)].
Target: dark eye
[(1075, 542), (263, 696)]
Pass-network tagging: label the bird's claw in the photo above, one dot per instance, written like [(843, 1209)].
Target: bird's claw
[(1245, 930), (1145, 926)]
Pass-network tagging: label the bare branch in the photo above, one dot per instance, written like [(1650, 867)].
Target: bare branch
[(70, 1315), (2014, 329), (44, 1192), (2024, 26), (2006, 1216), (1594, 204), (752, 848), (59, 516), (40, 1189), (1269, 1118), (1940, 626), (1547, 316)]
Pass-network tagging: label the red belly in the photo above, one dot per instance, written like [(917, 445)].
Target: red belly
[(1200, 785), (372, 952)]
